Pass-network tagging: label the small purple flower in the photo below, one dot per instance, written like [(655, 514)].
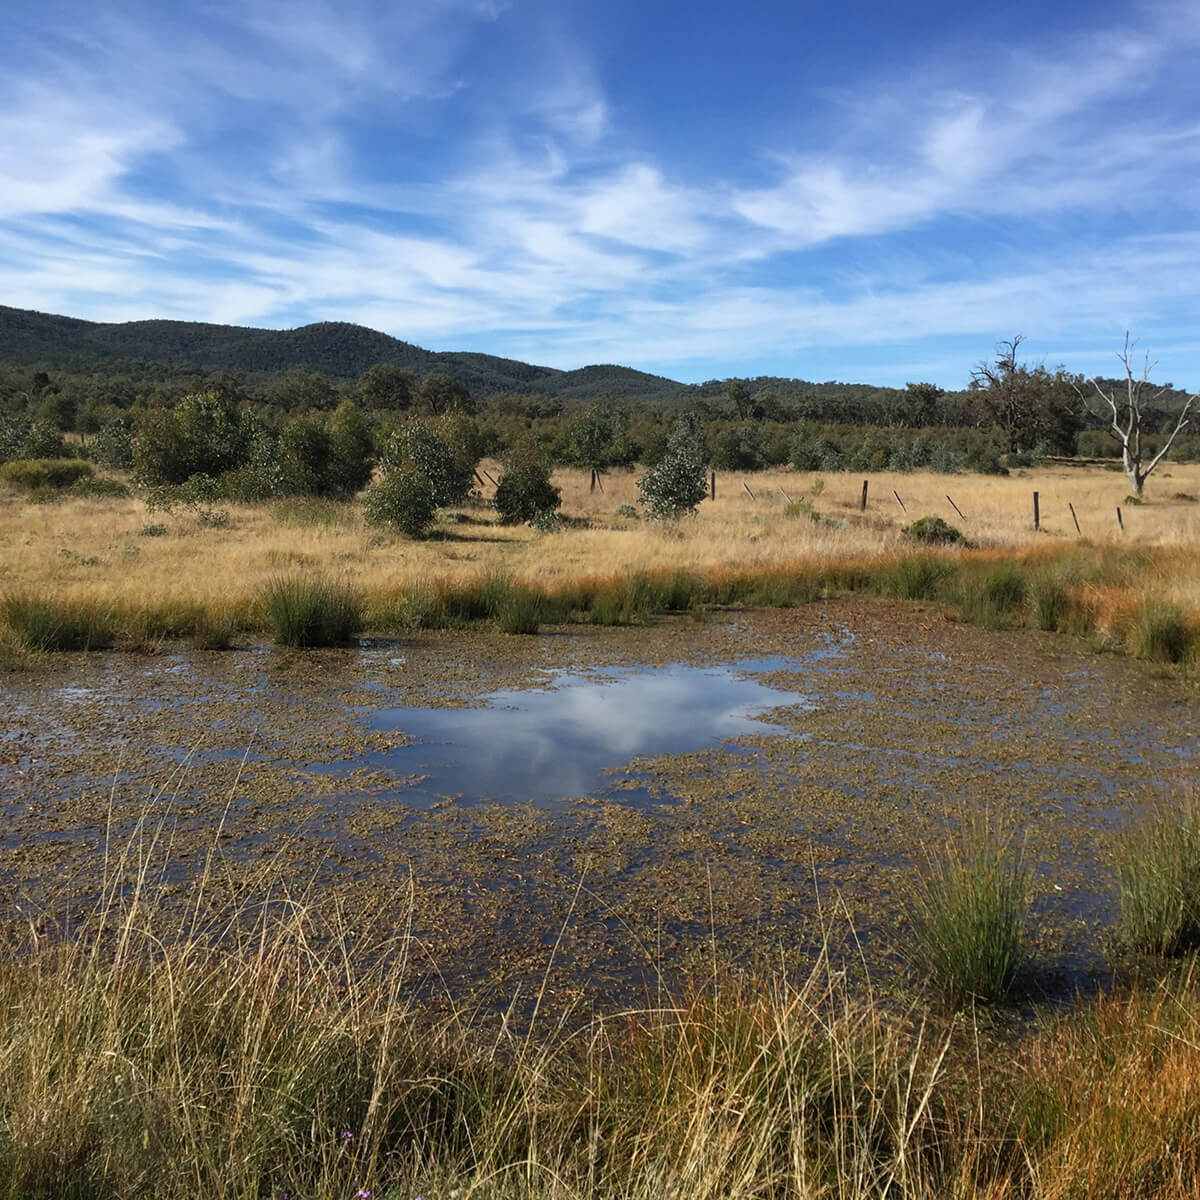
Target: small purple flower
[(347, 1136), (362, 1194)]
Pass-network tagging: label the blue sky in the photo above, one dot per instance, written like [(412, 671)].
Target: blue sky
[(845, 191)]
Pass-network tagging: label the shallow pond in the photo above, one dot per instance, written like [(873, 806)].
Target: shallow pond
[(642, 798)]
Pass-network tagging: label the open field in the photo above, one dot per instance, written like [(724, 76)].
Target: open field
[(156, 571)]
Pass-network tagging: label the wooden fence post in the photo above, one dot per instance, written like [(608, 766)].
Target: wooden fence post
[(1120, 519), (712, 486), (1037, 514), (748, 491), (956, 508), (862, 507), (899, 501), (1074, 517)]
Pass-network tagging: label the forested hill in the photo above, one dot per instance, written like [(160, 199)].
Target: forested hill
[(335, 348)]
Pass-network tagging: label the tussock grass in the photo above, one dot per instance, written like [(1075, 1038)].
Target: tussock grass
[(522, 610), (995, 598), (967, 915), (310, 610), (243, 1040), (918, 577), (1159, 631), (45, 623), (1158, 872)]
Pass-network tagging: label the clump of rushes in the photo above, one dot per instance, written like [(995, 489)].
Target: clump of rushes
[(521, 611), (40, 623), (994, 599), (1050, 601), (917, 577), (1158, 873), (1160, 632), (310, 610), (967, 916)]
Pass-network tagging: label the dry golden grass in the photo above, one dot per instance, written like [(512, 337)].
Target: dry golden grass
[(96, 550)]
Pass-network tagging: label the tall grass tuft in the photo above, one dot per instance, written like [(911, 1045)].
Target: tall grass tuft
[(42, 623), (967, 916), (1050, 602), (522, 610), (994, 599), (310, 610), (916, 577), (1158, 873), (1159, 632)]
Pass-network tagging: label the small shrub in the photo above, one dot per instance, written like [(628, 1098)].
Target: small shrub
[(1184, 497), (214, 631), (39, 623), (525, 492), (801, 507), (36, 474), (916, 578), (308, 610), (628, 512), (402, 500), (1159, 632), (933, 531), (1158, 874), (154, 530), (967, 917)]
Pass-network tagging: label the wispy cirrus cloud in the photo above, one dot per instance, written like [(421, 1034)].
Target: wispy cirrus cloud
[(276, 164)]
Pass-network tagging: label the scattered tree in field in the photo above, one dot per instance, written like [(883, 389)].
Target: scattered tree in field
[(1032, 406), (418, 443), (301, 390), (1133, 414), (676, 483), (525, 492), (402, 500)]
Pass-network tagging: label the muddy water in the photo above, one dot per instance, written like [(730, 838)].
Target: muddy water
[(647, 799)]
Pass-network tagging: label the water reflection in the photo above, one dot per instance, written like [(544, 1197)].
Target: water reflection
[(564, 741)]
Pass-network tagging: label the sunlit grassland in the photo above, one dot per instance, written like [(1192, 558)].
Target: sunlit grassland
[(171, 575)]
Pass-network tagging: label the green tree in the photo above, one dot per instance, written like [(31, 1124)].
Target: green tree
[(303, 391), (525, 491), (1030, 405), (418, 443), (402, 500), (387, 387), (351, 451), (440, 393), (204, 434), (305, 455), (676, 484)]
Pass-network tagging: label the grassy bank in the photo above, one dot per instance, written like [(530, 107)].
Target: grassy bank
[(176, 1046), (1116, 597)]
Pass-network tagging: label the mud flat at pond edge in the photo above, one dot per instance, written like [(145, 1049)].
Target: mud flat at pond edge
[(501, 795)]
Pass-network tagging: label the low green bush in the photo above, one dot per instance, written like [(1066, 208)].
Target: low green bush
[(933, 531), (1158, 874), (37, 474), (402, 500), (310, 610), (967, 916)]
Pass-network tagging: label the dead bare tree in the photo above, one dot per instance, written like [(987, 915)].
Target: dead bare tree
[(1131, 412)]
